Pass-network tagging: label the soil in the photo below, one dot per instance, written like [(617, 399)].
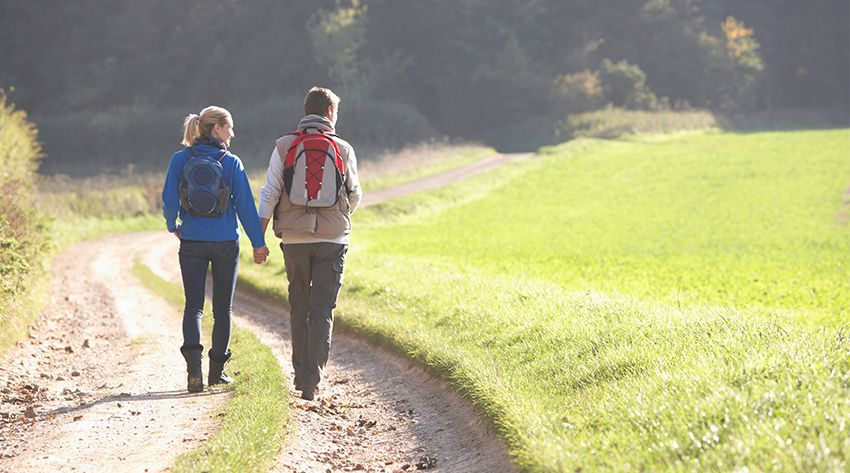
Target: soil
[(99, 384)]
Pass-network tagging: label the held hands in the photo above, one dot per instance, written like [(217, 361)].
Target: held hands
[(260, 255)]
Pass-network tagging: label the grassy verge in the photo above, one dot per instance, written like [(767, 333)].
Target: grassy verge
[(254, 419)]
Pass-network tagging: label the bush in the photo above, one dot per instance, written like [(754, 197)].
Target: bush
[(578, 92), (22, 232), (624, 85)]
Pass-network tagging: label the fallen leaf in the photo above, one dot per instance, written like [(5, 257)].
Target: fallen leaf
[(426, 463)]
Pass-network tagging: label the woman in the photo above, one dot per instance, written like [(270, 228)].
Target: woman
[(206, 188)]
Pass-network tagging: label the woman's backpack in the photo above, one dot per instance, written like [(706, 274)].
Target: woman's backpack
[(313, 170), (204, 191)]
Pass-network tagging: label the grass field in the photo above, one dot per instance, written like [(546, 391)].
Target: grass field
[(652, 303), (723, 219)]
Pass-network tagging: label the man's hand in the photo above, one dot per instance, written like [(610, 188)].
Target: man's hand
[(260, 254)]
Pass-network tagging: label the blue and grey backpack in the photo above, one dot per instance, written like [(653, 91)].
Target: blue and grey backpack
[(204, 191)]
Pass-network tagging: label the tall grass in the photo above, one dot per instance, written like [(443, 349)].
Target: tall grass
[(615, 122), (612, 122), (23, 242), (95, 206)]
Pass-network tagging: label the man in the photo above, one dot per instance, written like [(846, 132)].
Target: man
[(314, 227)]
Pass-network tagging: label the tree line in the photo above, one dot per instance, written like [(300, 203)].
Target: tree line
[(410, 69)]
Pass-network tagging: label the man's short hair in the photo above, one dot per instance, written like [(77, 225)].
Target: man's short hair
[(318, 100)]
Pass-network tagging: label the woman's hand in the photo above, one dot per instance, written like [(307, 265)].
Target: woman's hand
[(260, 254)]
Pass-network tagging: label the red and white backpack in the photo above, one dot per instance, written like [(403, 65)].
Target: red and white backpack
[(313, 170)]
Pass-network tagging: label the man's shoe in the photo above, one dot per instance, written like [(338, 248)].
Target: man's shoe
[(309, 394)]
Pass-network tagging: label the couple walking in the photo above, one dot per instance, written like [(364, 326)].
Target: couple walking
[(311, 190)]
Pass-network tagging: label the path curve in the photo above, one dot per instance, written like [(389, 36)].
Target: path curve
[(442, 179), (377, 411), (98, 386)]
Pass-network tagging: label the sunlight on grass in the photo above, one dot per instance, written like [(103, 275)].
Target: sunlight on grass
[(655, 303)]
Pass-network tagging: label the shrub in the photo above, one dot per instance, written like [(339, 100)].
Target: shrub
[(578, 92), (625, 85), (22, 233)]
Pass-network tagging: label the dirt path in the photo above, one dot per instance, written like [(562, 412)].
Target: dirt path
[(442, 179), (99, 384), (377, 412)]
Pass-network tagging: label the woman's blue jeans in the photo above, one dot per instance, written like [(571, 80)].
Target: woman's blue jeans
[(195, 258)]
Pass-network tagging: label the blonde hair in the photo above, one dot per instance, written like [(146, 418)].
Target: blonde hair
[(195, 126), (318, 100)]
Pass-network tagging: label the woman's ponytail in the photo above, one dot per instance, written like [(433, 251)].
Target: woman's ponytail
[(195, 126), (191, 129)]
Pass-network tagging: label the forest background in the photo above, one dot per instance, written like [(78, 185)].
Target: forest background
[(107, 83)]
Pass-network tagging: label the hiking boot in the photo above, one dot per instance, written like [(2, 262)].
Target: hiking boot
[(309, 394), (217, 374), (195, 374)]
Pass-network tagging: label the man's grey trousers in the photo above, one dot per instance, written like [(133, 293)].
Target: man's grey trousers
[(314, 271)]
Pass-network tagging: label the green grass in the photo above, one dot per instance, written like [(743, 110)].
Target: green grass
[(654, 303), (725, 219), (254, 419)]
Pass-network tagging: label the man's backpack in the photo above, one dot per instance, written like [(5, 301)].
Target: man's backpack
[(204, 191), (313, 170)]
